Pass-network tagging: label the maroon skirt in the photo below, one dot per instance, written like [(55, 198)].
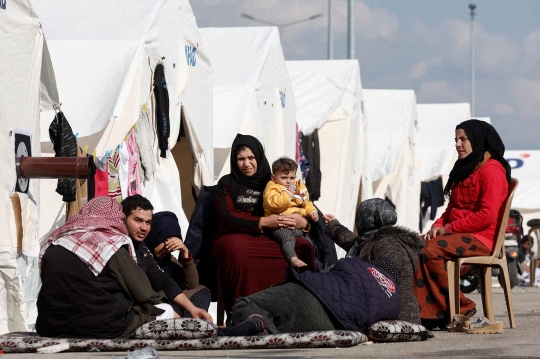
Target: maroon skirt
[(248, 264)]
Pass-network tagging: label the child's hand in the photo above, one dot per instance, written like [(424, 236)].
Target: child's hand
[(314, 216), (328, 218), (297, 263), (292, 188)]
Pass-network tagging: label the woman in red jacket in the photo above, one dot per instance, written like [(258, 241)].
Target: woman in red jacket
[(477, 187)]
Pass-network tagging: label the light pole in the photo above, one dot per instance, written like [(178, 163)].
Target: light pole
[(350, 30), (330, 36), (281, 26), (472, 7)]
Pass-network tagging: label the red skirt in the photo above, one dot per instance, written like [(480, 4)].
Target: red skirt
[(249, 264), (431, 278)]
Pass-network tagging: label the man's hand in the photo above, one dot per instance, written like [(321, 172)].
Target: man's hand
[(200, 314), (174, 244), (314, 216)]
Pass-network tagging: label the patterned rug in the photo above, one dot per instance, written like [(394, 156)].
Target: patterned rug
[(30, 342)]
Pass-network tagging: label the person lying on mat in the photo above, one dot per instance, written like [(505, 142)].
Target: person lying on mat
[(358, 291), (164, 238), (477, 188), (92, 286), (139, 223)]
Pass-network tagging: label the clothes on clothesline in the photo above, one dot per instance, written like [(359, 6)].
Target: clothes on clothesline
[(145, 134), (114, 180), (65, 145), (301, 159), (310, 147), (163, 123)]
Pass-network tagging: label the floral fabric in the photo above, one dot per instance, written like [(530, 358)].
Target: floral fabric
[(397, 331), (184, 328), (30, 342)]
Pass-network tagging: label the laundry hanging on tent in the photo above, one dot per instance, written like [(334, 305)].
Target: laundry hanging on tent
[(133, 166), (65, 145), (144, 130), (128, 170), (123, 175), (310, 147), (114, 180), (163, 123), (301, 158), (102, 177), (431, 196)]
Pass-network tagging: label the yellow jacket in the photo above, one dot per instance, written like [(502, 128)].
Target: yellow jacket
[(277, 199)]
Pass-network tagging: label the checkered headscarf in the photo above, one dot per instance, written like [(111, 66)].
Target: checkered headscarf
[(94, 235)]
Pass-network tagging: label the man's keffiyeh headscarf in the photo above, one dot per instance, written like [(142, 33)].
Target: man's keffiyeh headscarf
[(94, 235)]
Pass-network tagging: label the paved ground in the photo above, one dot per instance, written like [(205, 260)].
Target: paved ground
[(521, 342)]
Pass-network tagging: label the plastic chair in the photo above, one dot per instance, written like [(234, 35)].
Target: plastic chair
[(497, 258), (534, 261)]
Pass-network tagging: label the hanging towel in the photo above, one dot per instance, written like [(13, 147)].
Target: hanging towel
[(133, 166), (114, 181), (102, 177), (123, 174), (163, 123), (145, 145), (65, 145)]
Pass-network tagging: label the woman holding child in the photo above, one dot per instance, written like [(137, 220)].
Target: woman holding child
[(477, 187), (248, 260)]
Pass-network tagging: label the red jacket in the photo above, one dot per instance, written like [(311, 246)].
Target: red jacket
[(475, 203)]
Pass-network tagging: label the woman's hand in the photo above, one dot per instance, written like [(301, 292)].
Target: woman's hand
[(299, 221), (328, 218), (434, 232), (275, 221)]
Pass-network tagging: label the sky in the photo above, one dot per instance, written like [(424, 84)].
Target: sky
[(422, 45)]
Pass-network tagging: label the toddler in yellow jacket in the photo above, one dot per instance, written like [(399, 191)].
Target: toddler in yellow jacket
[(285, 194)]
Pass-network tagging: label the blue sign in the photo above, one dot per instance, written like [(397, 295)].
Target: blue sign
[(515, 163), (282, 97), (3, 4), (191, 55)]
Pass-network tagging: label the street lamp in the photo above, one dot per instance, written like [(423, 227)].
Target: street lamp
[(472, 7), (281, 26)]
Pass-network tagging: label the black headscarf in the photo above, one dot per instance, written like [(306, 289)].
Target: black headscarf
[(164, 225), (247, 191), (483, 137)]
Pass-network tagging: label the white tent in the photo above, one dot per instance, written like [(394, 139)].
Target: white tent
[(329, 98), (195, 157), (393, 150), (27, 85), (105, 54), (526, 168), (436, 133), (252, 91)]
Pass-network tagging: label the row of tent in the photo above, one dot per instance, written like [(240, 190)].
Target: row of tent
[(221, 81)]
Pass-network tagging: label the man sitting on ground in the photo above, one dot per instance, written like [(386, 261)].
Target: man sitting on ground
[(138, 212)]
